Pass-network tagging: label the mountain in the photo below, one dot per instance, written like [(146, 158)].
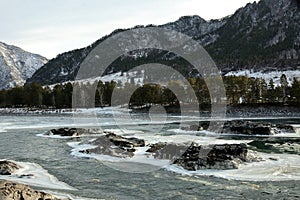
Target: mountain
[(263, 36), (17, 65)]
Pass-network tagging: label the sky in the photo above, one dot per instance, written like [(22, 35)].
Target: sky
[(50, 27)]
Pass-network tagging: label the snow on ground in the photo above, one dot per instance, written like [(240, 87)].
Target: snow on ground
[(267, 76), (138, 78), (121, 79)]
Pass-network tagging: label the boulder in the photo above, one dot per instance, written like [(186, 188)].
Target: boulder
[(15, 191), (285, 128), (168, 151), (156, 147), (193, 156), (125, 142), (115, 145), (220, 156), (8, 167), (74, 132)]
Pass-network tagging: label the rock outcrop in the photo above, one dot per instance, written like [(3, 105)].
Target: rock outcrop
[(115, 145), (73, 132), (249, 128), (8, 167), (194, 157), (221, 156), (16, 191), (246, 127), (255, 128)]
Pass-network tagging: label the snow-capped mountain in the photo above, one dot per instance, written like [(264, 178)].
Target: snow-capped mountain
[(17, 65), (262, 37)]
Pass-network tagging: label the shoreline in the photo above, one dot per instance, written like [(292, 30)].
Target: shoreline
[(236, 111)]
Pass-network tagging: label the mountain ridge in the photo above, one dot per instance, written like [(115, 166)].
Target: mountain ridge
[(17, 65), (264, 35)]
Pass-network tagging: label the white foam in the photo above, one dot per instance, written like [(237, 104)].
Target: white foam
[(65, 196), (287, 167), (124, 131), (2, 130), (40, 178), (187, 138), (297, 128), (56, 136), (140, 156), (3, 127)]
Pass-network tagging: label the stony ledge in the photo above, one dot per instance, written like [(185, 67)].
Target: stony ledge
[(17, 191)]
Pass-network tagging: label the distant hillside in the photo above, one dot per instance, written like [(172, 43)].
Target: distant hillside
[(263, 36), (17, 65)]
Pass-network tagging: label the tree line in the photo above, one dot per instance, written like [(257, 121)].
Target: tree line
[(240, 90)]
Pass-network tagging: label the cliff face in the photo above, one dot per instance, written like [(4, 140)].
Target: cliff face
[(17, 65)]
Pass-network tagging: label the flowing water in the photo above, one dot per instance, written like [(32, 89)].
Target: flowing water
[(59, 169)]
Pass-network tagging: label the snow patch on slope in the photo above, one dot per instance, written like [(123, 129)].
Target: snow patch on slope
[(17, 65), (120, 78), (267, 76)]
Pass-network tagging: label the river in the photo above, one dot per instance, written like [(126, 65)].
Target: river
[(63, 172)]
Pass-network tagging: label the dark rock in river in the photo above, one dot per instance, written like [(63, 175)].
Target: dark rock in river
[(194, 157), (249, 128), (8, 167), (169, 151), (125, 142), (15, 191), (156, 147), (256, 128), (220, 156), (115, 145), (74, 132), (285, 128), (246, 127), (290, 145)]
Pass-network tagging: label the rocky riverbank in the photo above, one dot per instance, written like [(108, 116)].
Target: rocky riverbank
[(36, 111), (8, 167), (231, 111), (17, 191)]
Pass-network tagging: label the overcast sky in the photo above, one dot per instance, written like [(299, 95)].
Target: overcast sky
[(50, 27)]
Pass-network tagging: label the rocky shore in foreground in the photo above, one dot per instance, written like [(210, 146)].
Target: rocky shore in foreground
[(17, 191)]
